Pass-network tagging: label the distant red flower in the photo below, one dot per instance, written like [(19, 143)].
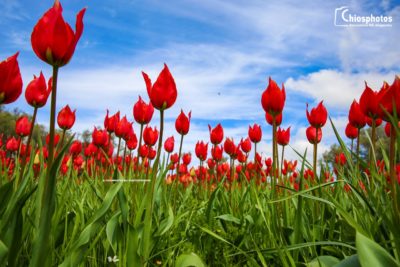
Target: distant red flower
[(100, 137), (56, 139), (123, 128), (76, 147), (255, 133), (163, 92), (90, 150), (143, 112), (312, 137), (150, 135), (356, 116), (12, 144), (23, 126), (245, 145), (182, 123), (66, 118), (53, 40), (230, 147), (201, 150), (37, 91), (283, 136), (273, 98), (340, 159), (318, 115), (131, 142), (186, 158), (10, 80), (378, 121), (216, 134), (216, 152), (110, 123), (169, 144)]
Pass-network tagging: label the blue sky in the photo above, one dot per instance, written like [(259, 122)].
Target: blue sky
[(221, 54)]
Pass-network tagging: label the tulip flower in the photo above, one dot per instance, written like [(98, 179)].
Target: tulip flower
[(351, 131), (75, 148), (66, 118), (90, 150), (255, 133), (369, 102), (245, 145), (169, 144), (283, 136), (110, 123), (123, 128), (356, 116), (163, 92), (12, 144), (53, 40), (216, 134), (10, 80), (216, 153), (273, 98), (389, 100), (22, 126), (201, 150), (132, 141), (56, 139), (318, 115), (100, 138), (144, 151), (186, 158), (150, 135), (143, 112), (311, 134), (37, 91), (182, 123)]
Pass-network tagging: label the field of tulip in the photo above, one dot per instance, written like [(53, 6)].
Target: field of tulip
[(128, 199)]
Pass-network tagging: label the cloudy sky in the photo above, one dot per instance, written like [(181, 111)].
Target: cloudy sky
[(221, 54)]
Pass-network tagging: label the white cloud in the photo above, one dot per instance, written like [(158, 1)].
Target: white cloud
[(336, 88)]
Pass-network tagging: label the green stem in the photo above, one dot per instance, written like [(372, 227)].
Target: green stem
[(179, 156), (150, 197), (273, 155), (358, 153), (140, 144), (47, 192)]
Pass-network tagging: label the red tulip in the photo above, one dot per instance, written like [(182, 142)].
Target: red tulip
[(270, 119), (318, 115), (211, 163), (37, 91), (201, 150), (110, 123), (124, 127), (174, 158), (169, 144), (90, 150), (76, 147), (182, 123), (186, 158), (283, 136), (312, 137), (23, 126), (388, 97), (53, 40), (100, 137), (273, 98), (66, 118), (369, 102), (389, 128), (356, 116), (144, 151), (245, 145), (340, 159), (150, 136), (132, 141), (230, 147), (255, 133), (12, 144), (163, 92), (216, 152), (152, 153), (351, 131), (56, 139), (216, 134), (10, 80), (143, 112)]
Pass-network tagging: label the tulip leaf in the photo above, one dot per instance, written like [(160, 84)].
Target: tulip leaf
[(186, 260)]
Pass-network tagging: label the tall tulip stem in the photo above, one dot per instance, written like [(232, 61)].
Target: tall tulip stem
[(138, 149), (150, 195), (274, 154), (179, 156), (315, 153)]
